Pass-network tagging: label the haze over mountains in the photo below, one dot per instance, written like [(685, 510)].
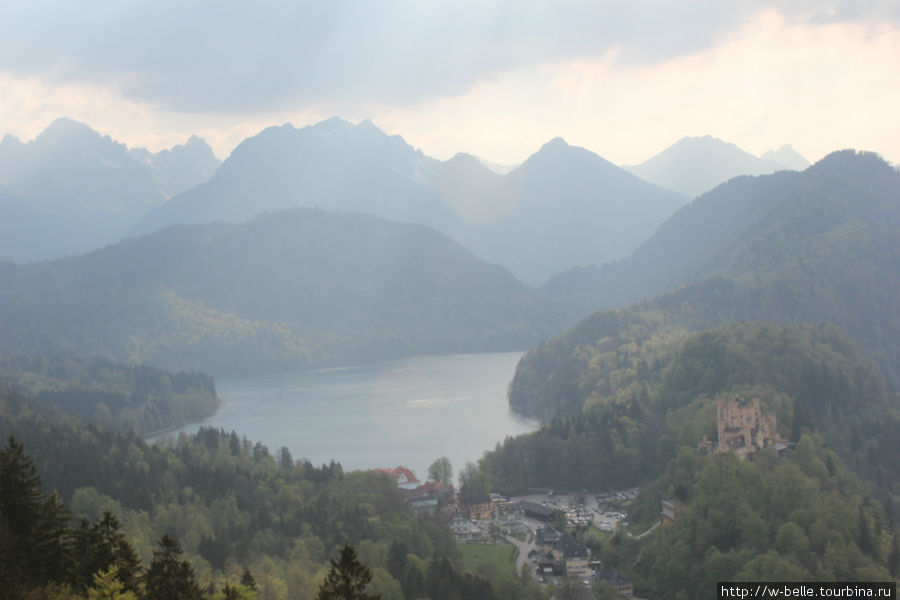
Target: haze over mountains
[(695, 165), (781, 287), (564, 206), (816, 247), (71, 190), (285, 290)]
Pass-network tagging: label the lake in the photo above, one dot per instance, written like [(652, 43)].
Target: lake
[(400, 412)]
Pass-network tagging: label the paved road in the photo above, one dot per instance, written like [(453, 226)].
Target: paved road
[(641, 535), (524, 549)]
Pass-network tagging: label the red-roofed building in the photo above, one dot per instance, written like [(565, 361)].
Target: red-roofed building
[(434, 488), (404, 477)]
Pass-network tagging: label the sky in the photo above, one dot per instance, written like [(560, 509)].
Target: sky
[(497, 79)]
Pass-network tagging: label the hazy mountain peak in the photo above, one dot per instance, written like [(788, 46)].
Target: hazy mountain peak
[(334, 125), (464, 158), (183, 166), (65, 129), (10, 140), (555, 143), (561, 157), (196, 141), (701, 144), (787, 156), (694, 165)]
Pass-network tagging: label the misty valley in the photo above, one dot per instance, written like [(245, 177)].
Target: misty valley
[(332, 356)]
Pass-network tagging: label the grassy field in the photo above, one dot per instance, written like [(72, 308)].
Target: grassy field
[(503, 556)]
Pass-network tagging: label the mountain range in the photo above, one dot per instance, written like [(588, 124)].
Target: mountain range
[(286, 290), (695, 165), (564, 206), (71, 190)]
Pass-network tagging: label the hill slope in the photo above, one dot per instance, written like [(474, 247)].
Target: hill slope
[(818, 246), (286, 290), (645, 397)]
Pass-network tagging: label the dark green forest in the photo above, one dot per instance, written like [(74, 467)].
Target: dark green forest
[(119, 397), (824, 509), (799, 517), (781, 288), (215, 501), (646, 397)]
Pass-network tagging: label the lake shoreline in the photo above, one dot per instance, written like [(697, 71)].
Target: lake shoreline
[(378, 415)]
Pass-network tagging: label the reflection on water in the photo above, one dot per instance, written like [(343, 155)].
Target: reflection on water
[(402, 412)]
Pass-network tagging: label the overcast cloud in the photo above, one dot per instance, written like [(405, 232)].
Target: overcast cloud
[(242, 57), (494, 78)]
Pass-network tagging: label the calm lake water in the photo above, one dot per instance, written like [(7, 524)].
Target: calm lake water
[(400, 412)]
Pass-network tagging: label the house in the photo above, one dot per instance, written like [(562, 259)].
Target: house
[(546, 567), (481, 511), (545, 540), (464, 530), (612, 577), (404, 477), (566, 555), (423, 505), (510, 523), (575, 556), (668, 508), (434, 488), (537, 511), (429, 497)]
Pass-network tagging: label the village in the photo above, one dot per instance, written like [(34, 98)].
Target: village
[(540, 525), (537, 525)]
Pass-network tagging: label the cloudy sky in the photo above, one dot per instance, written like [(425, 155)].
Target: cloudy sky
[(494, 78)]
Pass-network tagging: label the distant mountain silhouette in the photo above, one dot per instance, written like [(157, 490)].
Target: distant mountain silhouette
[(567, 206), (333, 165), (287, 289), (787, 156), (182, 167), (72, 190), (562, 207), (694, 165)]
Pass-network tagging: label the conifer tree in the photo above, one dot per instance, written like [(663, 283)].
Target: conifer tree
[(107, 586), (170, 577), (102, 545), (55, 541), (20, 511), (347, 579), (247, 580)]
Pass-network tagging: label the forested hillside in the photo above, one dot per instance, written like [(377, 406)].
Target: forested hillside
[(818, 246), (231, 505), (801, 517), (823, 510), (645, 395), (116, 396), (286, 290)]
